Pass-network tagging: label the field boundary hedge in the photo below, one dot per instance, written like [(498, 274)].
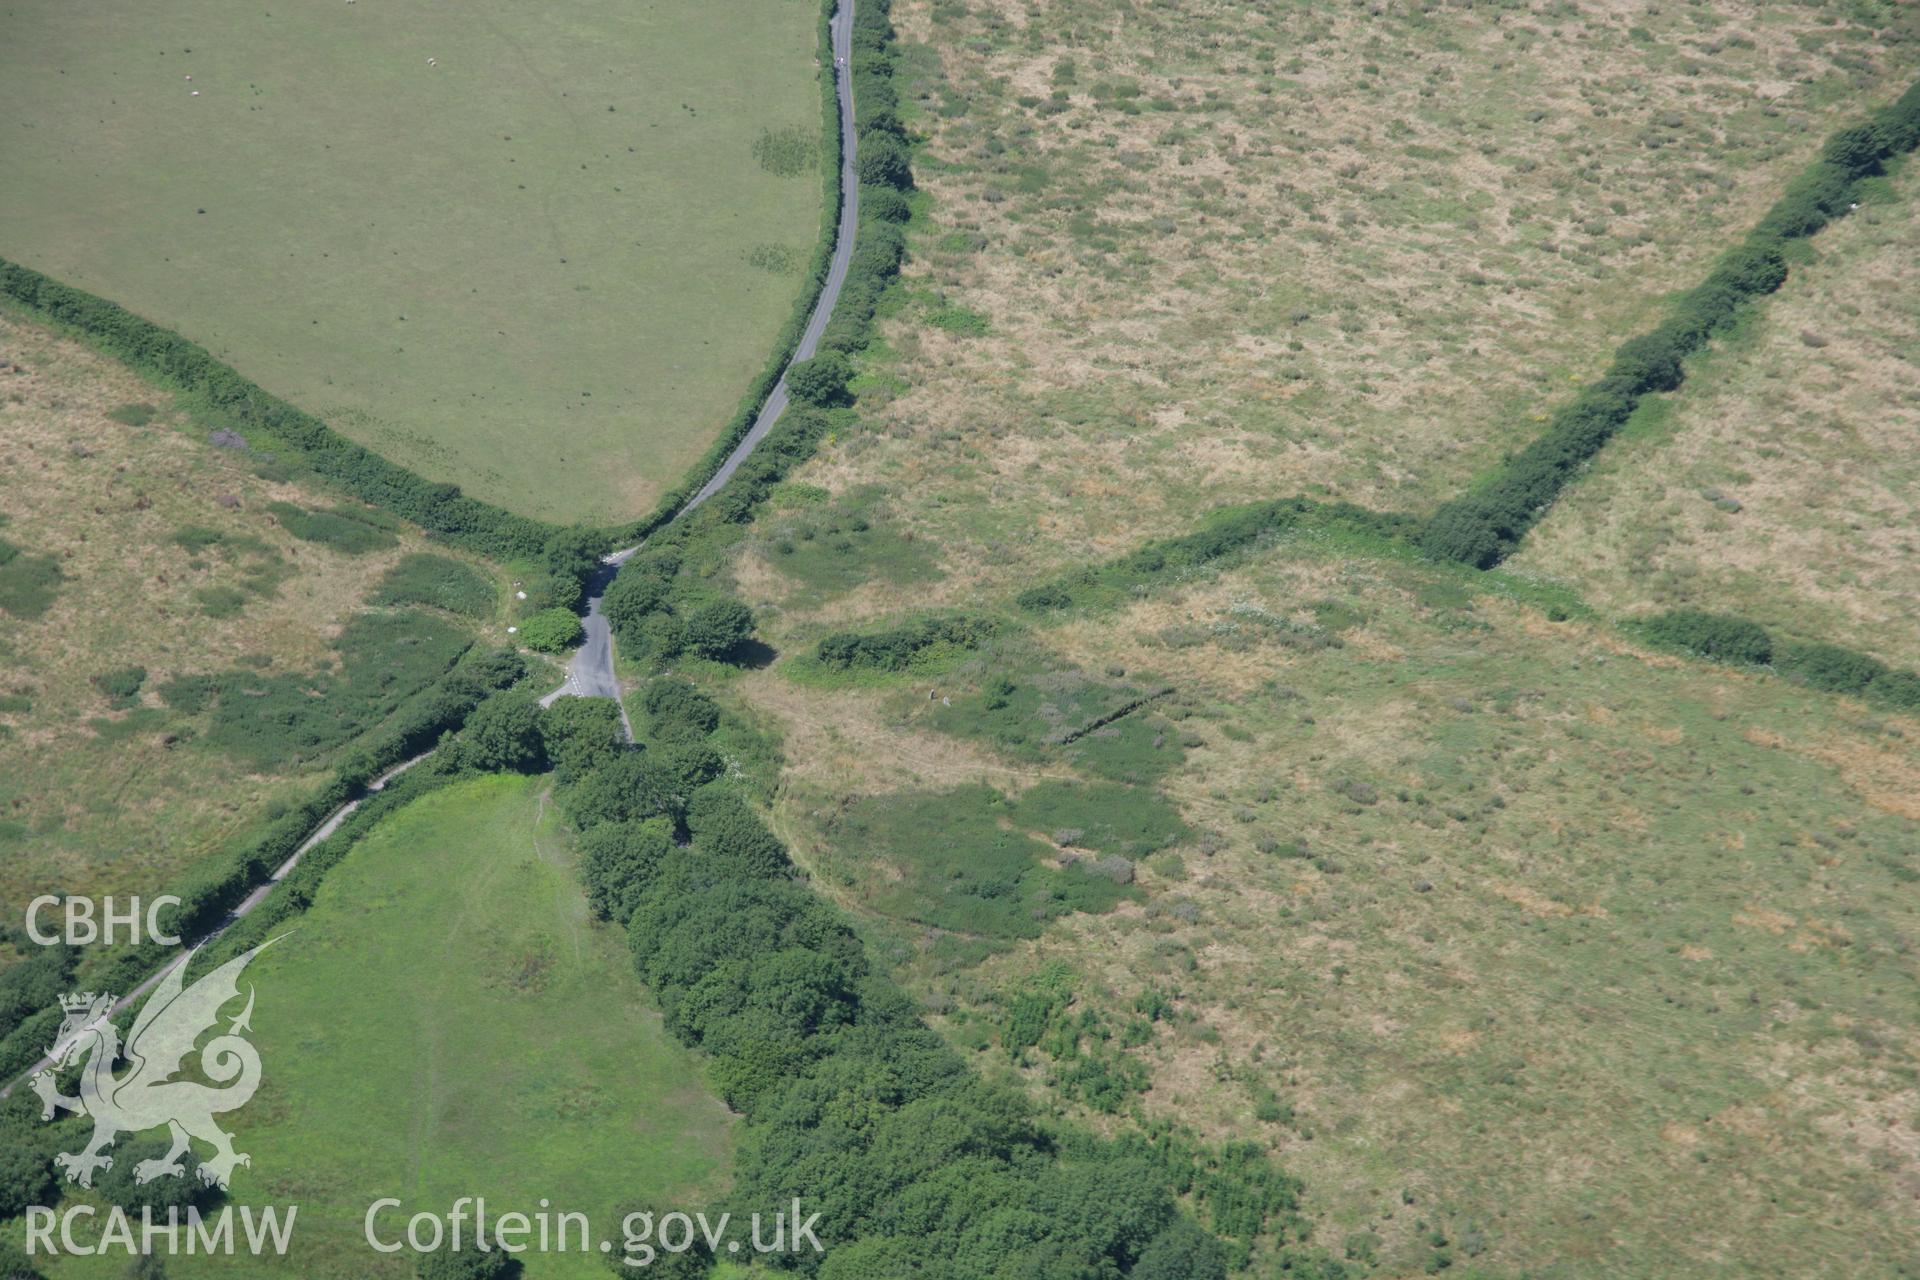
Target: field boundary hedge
[(1485, 525), (176, 362), (1740, 642), (1223, 532), (438, 507)]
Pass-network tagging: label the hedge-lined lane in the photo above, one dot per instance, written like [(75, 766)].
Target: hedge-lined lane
[(1485, 525)]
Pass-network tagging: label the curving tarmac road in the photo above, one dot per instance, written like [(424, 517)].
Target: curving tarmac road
[(776, 404), (590, 673)]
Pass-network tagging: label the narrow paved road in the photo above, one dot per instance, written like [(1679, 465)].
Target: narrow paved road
[(590, 674), (836, 270)]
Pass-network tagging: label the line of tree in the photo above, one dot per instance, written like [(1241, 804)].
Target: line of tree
[(849, 1102), (1737, 641), (238, 403), (1483, 527)]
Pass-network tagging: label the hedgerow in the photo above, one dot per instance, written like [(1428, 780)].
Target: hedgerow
[(847, 1099), (674, 501), (551, 631), (1222, 533), (1482, 527), (1816, 664), (231, 400), (654, 608), (347, 530)]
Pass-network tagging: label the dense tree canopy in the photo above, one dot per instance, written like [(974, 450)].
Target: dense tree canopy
[(505, 735), (717, 630), (821, 381)]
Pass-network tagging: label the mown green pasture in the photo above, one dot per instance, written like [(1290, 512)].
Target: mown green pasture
[(535, 250), (447, 1021)]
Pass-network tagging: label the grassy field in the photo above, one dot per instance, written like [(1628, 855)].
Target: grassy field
[(1588, 959), (1781, 482), (1202, 254), (1531, 951), (446, 1021), (535, 250), (170, 558)]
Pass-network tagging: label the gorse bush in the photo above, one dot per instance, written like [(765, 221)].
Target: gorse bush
[(347, 530), (384, 658), (1829, 667), (961, 860), (581, 735), (821, 381), (121, 687), (677, 709), (551, 631), (437, 582), (28, 583), (618, 860), (1482, 527), (503, 735), (883, 161), (718, 629), (899, 648), (467, 1264), (32, 983)]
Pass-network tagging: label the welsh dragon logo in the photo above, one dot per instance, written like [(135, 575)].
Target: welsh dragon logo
[(148, 1096)]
